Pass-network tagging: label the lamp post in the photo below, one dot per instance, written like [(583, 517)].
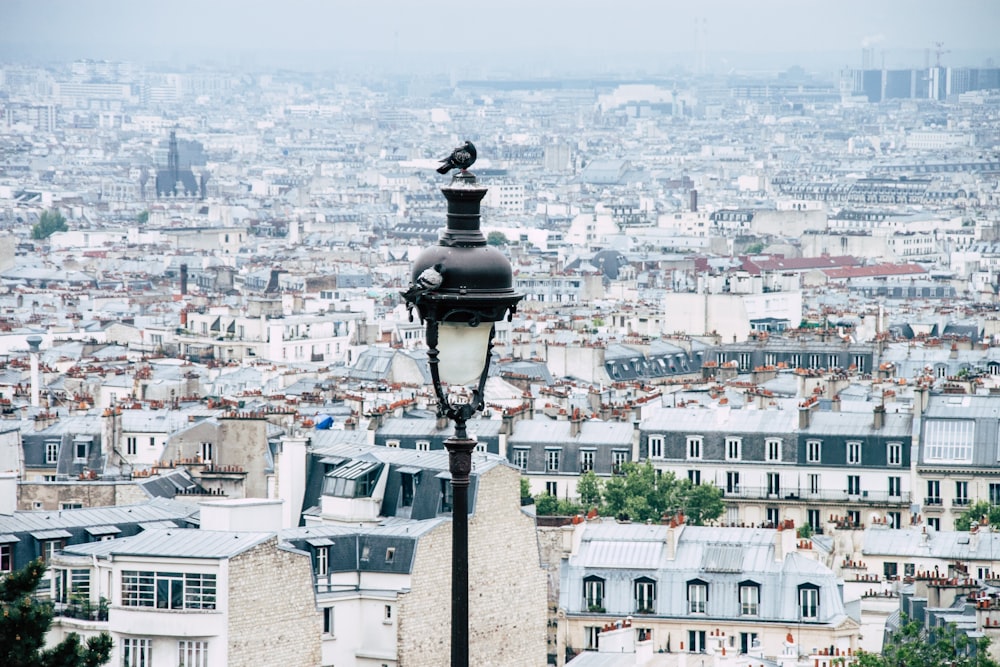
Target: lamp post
[(460, 288)]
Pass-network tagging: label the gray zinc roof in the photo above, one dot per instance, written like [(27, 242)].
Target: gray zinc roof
[(176, 543)]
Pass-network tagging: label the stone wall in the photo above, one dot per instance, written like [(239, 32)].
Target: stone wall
[(507, 586), (88, 494), (272, 610)]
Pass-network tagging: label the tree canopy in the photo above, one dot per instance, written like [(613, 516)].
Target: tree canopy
[(976, 512), (496, 238), (945, 645), (50, 223), (639, 494), (25, 621)]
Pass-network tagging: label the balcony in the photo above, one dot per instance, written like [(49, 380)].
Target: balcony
[(933, 501), (823, 495)]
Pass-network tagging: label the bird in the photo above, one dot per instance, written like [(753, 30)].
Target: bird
[(428, 280), (461, 158)]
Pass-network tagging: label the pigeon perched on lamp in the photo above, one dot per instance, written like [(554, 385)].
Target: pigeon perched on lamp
[(428, 280), (460, 158)]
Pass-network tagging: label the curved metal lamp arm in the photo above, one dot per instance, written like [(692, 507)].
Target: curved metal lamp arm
[(462, 412)]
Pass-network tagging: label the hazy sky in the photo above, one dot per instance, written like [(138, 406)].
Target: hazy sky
[(482, 31)]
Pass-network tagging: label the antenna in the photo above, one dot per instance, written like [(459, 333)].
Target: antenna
[(939, 51)]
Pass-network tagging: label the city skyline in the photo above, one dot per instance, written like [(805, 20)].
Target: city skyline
[(714, 36)]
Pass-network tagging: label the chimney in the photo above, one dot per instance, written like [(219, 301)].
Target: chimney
[(33, 344), (574, 424), (954, 350), (507, 424), (835, 403), (674, 531), (804, 417), (693, 201), (291, 469), (184, 279), (879, 417), (784, 539), (8, 493)]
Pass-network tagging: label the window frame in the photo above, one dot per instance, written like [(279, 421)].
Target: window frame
[(553, 458), (809, 601), (772, 450), (693, 447), (655, 445), (853, 453), (814, 451), (734, 448), (594, 593), (644, 595), (697, 603), (749, 607)]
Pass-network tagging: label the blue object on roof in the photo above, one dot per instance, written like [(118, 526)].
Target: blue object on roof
[(323, 422)]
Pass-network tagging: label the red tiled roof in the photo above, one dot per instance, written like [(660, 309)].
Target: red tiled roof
[(875, 270), (801, 263)]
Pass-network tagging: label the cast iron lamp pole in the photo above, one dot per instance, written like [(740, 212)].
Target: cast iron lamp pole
[(460, 288)]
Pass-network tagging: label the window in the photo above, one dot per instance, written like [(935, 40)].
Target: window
[(446, 495), (592, 634), (813, 451), (697, 596), (645, 595), (894, 454), (934, 523), (593, 593), (49, 549), (773, 484), (949, 440), (394, 444), (390, 554), (388, 614), (521, 458), (694, 476), (51, 452), (812, 518), (895, 519), (694, 447), (70, 506), (961, 493), (192, 653), (933, 492), (748, 641), (206, 452), (80, 450), (890, 570), (854, 517), (618, 458), (771, 515), (656, 446), (328, 620), (168, 590), (552, 488), (994, 494), (772, 450), (6, 558), (696, 641), (422, 445), (137, 652), (586, 460), (854, 485), (322, 561), (853, 453), (152, 441), (910, 569), (734, 449), (749, 598), (732, 482), (130, 445), (894, 486), (808, 602), (552, 459), (814, 483)]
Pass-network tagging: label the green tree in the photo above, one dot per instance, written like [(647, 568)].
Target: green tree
[(701, 502), (142, 218), (496, 238), (50, 223), (638, 493), (546, 504), (588, 487), (25, 621), (755, 248), (976, 512), (945, 645), (525, 488)]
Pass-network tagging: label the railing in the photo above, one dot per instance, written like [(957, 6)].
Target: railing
[(83, 610), (826, 495)]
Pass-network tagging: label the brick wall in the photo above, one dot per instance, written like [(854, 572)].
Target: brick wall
[(507, 586), (272, 611)]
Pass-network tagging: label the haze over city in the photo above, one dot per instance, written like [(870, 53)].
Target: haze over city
[(518, 36)]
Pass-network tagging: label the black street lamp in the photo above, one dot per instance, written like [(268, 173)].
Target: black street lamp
[(460, 288)]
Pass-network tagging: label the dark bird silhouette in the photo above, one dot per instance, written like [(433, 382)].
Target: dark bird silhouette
[(460, 158), (428, 280)]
